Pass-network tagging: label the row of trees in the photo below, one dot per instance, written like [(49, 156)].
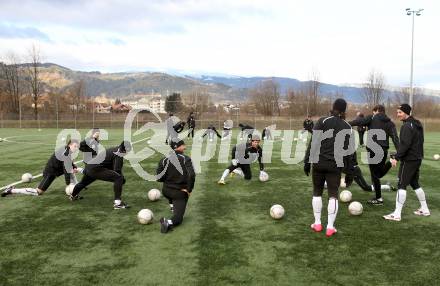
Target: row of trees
[(22, 88)]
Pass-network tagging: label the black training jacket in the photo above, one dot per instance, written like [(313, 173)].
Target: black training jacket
[(191, 122), (308, 125), (326, 155), (170, 175), (112, 161), (249, 153), (56, 167), (89, 145), (411, 140), (379, 121)]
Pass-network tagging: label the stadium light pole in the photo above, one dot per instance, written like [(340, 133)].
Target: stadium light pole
[(412, 13)]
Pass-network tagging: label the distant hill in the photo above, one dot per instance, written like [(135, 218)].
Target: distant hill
[(220, 88)]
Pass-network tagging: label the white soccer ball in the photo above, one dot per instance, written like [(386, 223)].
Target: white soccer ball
[(355, 208), (264, 177), (282, 138), (63, 139), (436, 156), (149, 142), (26, 177), (277, 211), (154, 195), (145, 216), (69, 189), (345, 196), (295, 139), (343, 184)]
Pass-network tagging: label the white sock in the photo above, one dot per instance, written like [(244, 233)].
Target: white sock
[(25, 191), (422, 199), (332, 212), (117, 202), (239, 172), (317, 208), (400, 201), (225, 174)]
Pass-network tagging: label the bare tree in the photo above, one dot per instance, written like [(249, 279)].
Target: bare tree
[(12, 89), (374, 87), (78, 95), (33, 77), (311, 90), (266, 98)]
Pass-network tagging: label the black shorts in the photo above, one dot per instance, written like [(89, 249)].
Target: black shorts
[(329, 174), (246, 168), (46, 182), (409, 173)]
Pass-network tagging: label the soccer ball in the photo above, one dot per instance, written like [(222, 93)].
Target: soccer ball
[(436, 156), (69, 189), (282, 138), (154, 195), (343, 184), (295, 139), (355, 208), (63, 139), (145, 216), (277, 211), (149, 142), (345, 196), (264, 177), (26, 177)]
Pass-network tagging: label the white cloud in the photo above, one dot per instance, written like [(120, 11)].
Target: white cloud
[(343, 40)]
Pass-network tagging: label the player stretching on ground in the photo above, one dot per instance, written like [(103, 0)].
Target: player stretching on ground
[(410, 155), (321, 152), (110, 170), (242, 157), (54, 168), (176, 172)]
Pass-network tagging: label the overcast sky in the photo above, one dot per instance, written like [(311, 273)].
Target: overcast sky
[(341, 39)]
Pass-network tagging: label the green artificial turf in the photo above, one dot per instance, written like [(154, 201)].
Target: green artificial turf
[(227, 238)]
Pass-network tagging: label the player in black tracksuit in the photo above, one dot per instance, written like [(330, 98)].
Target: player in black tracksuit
[(308, 124), (410, 154), (191, 122), (60, 163), (379, 121), (211, 131), (246, 131), (109, 170), (361, 128), (242, 157), (325, 157), (177, 174)]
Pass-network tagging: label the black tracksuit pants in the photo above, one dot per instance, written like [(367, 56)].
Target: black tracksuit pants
[(378, 171), (361, 137), (191, 132), (322, 173), (179, 199), (357, 176), (103, 174), (409, 173), (246, 168)]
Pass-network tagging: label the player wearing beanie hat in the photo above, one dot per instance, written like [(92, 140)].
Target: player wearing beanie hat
[(177, 174), (410, 155)]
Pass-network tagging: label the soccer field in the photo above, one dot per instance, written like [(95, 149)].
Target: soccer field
[(227, 237)]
